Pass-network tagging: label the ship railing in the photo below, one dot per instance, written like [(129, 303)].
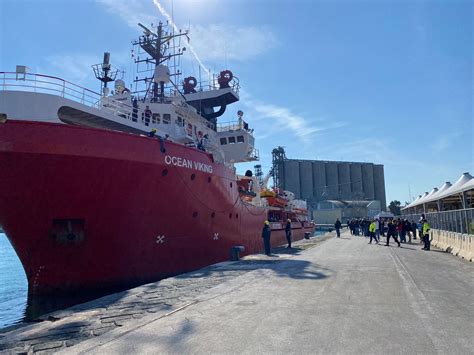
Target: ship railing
[(117, 108), (253, 154), (233, 126), (46, 84), (213, 84), (39, 83)]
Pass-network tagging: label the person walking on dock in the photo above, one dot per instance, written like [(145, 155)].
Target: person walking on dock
[(413, 228), (266, 237), (288, 232), (426, 235), (408, 230), (372, 233), (377, 229), (392, 232), (337, 225)]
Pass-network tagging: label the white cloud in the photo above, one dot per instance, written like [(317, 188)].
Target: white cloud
[(132, 11), (71, 67), (446, 140), (284, 119), (214, 42), (220, 42)]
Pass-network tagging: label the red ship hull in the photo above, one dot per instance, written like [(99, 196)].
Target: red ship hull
[(94, 209)]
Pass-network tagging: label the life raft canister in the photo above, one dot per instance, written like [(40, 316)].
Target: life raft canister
[(224, 78), (189, 84)]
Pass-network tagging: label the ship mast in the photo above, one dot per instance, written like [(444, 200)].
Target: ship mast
[(105, 73), (157, 45)]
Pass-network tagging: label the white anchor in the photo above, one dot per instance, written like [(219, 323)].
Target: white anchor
[(160, 239), (216, 236)]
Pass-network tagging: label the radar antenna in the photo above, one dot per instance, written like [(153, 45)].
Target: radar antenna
[(105, 73), (157, 45)]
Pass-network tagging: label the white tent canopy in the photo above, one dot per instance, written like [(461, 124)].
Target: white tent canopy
[(464, 183), (413, 203), (384, 214), (431, 193), (443, 188), (468, 185), (456, 187)]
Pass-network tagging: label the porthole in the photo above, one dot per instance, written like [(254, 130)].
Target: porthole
[(195, 214), (193, 176), (231, 185), (209, 179), (236, 215), (213, 214), (230, 215), (164, 172)]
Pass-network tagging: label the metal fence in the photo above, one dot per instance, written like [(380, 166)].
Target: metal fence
[(459, 221)]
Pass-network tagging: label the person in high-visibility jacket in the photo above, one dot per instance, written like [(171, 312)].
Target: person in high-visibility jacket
[(426, 235), (372, 232)]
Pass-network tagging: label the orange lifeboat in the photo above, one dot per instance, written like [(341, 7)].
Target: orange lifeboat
[(276, 201)]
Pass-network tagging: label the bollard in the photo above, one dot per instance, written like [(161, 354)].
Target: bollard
[(470, 248), (463, 247), (449, 244), (235, 252)]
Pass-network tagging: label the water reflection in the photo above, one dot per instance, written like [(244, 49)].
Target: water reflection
[(17, 306), (13, 285)]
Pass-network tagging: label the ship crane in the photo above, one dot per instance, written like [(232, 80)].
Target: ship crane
[(267, 177)]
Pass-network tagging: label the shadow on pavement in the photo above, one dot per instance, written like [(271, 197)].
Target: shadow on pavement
[(295, 269)]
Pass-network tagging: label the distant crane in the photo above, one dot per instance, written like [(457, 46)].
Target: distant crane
[(258, 173), (278, 157)]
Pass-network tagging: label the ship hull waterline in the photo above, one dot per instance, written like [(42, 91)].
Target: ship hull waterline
[(91, 209)]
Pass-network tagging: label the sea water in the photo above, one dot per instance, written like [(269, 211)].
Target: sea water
[(13, 285)]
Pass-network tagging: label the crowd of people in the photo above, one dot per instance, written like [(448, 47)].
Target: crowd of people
[(396, 228)]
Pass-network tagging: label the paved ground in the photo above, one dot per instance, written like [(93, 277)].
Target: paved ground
[(343, 296), (134, 307)]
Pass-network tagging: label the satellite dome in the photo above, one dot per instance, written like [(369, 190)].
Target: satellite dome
[(162, 74)]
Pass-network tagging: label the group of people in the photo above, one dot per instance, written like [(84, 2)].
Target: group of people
[(398, 229)]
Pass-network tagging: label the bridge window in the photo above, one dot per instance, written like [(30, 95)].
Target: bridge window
[(180, 122), (240, 139), (231, 140), (155, 118), (223, 141), (166, 118)]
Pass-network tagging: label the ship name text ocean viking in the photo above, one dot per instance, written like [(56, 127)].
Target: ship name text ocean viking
[(187, 163)]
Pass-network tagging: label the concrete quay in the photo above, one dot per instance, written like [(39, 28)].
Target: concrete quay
[(134, 307), (343, 297)]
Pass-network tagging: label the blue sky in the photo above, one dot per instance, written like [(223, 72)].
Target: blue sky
[(389, 82)]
